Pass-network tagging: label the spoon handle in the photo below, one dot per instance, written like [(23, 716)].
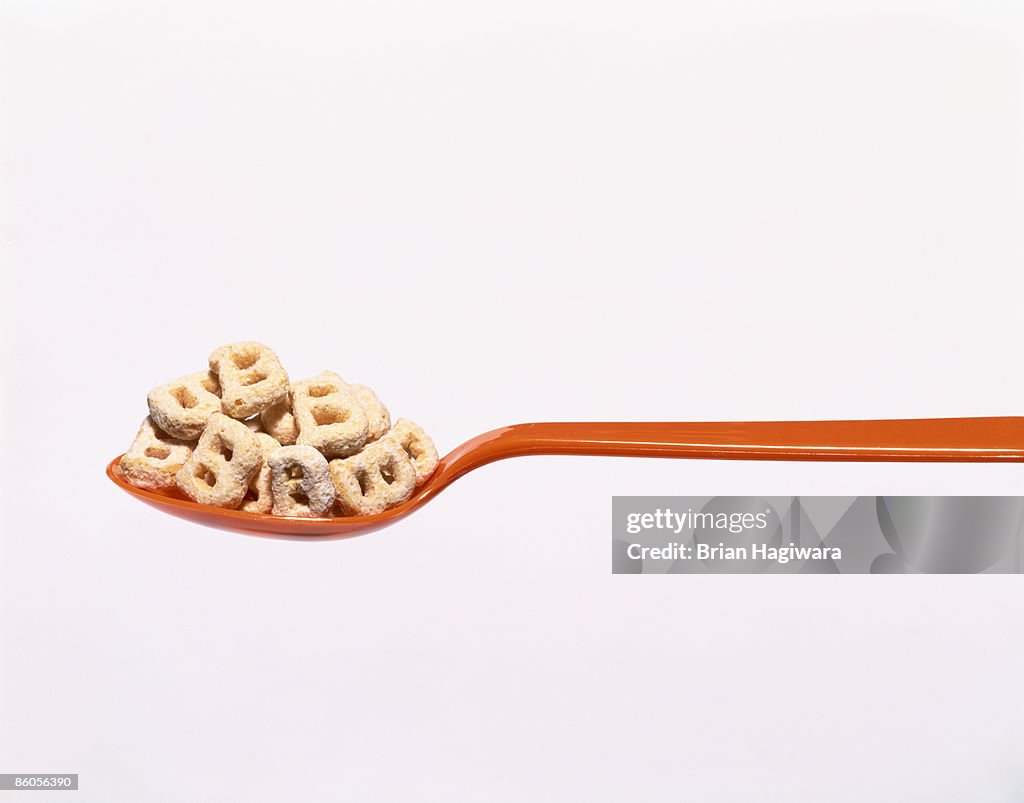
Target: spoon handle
[(961, 440)]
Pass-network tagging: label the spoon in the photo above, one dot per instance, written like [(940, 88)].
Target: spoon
[(930, 440)]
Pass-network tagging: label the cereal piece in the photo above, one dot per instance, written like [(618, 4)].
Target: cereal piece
[(379, 477), (154, 458), (301, 482), (223, 463), (377, 416), (417, 444), (279, 421), (181, 408), (259, 498), (329, 416), (251, 378)]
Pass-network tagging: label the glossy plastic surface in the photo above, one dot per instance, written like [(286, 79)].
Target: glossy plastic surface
[(965, 440)]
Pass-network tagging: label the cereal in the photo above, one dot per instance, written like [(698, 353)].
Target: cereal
[(417, 445), (279, 421), (181, 408), (377, 416), (251, 378), (259, 498), (154, 458), (301, 482), (329, 417), (379, 477), (222, 464), (314, 448)]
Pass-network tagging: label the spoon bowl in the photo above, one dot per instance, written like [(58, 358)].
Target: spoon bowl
[(961, 440)]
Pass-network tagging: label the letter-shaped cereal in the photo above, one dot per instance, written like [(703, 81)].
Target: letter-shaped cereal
[(301, 482), (154, 459), (251, 378), (379, 477), (223, 463), (181, 408), (279, 421), (330, 418), (259, 498), (377, 416), (417, 444)]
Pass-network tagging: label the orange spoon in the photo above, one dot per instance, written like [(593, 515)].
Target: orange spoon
[(958, 440)]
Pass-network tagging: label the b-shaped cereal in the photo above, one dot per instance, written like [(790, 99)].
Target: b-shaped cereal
[(259, 498), (181, 408), (301, 482), (379, 477), (154, 459), (377, 416), (223, 463), (417, 445), (329, 417), (251, 378)]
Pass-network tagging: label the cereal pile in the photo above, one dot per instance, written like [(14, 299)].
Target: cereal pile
[(242, 436)]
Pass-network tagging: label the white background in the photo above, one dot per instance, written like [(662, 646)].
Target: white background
[(496, 213)]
